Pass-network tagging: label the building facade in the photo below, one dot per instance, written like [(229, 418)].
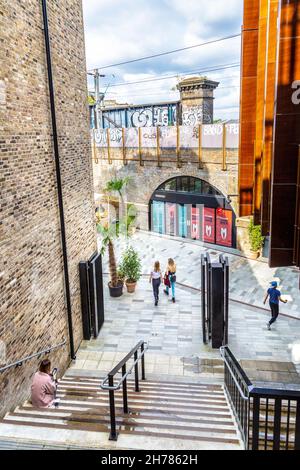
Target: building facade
[(269, 168), (33, 285)]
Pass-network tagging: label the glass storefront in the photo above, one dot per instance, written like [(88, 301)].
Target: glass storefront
[(194, 209)]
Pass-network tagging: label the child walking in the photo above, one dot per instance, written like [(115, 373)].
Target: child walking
[(156, 278)]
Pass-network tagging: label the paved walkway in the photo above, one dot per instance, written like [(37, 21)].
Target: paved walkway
[(174, 331), (174, 335), (249, 279)]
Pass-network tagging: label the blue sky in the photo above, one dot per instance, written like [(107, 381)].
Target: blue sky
[(120, 30)]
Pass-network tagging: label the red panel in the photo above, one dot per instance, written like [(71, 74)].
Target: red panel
[(195, 227), (224, 227), (209, 225)]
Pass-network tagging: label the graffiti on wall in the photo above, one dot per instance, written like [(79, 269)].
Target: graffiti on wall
[(188, 136), (147, 117), (195, 115), (141, 116)]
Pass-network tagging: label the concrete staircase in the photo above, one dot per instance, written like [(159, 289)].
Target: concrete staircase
[(163, 415)]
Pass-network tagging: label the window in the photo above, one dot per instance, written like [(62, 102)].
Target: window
[(170, 185), (207, 189), (195, 185), (183, 184), (189, 184)]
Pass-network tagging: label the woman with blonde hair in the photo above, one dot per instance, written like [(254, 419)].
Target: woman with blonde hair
[(156, 278), (170, 278)]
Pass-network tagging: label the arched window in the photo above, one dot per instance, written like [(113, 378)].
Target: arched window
[(189, 184)]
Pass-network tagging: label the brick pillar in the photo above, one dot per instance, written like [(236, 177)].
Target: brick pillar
[(197, 97)]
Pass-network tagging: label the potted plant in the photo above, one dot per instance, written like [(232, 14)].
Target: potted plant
[(132, 268), (110, 232), (256, 240)]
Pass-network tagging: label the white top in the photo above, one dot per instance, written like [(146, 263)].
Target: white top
[(155, 274)]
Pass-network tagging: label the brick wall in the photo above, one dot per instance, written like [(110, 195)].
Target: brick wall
[(33, 312), (146, 179)]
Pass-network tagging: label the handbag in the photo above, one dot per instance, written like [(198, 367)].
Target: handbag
[(167, 281), (173, 277)]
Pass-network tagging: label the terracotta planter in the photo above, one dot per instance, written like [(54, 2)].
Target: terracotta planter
[(252, 254), (130, 287), (116, 291)]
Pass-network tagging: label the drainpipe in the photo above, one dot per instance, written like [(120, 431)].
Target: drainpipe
[(58, 178)]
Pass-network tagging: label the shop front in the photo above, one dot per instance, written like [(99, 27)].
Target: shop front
[(191, 208)]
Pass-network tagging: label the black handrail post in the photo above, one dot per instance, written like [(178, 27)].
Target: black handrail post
[(136, 372), (113, 432), (143, 362), (125, 401)]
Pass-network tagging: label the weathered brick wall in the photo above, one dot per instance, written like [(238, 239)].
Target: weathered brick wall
[(147, 178), (33, 312)]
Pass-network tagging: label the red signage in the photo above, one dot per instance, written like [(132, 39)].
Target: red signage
[(195, 217), (208, 225), (224, 227)]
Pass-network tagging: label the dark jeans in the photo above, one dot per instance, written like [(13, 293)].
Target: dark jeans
[(155, 284), (274, 312)]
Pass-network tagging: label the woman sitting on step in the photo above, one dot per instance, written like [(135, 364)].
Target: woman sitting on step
[(43, 388)]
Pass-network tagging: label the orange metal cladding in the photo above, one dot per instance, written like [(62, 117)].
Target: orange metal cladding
[(260, 108), (248, 105), (269, 114), (286, 138)]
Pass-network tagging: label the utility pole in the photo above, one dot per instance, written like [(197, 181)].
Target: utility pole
[(98, 97)]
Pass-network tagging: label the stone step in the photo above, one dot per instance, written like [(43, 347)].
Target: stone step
[(186, 415), (220, 435), (162, 407), (144, 387), (125, 421), (143, 394), (50, 436), (145, 401), (151, 413), (185, 386)]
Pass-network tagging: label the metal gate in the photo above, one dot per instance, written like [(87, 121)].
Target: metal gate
[(215, 300)]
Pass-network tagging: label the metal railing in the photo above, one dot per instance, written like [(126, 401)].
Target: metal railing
[(268, 419), (111, 387), (20, 362)]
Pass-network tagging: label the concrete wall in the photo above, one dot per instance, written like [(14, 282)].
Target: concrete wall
[(33, 312)]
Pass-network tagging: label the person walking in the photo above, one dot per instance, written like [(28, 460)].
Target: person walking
[(156, 278), (274, 296), (170, 278)]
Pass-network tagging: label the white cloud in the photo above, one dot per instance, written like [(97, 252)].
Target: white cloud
[(116, 31)]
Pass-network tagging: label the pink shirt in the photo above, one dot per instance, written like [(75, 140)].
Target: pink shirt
[(42, 390)]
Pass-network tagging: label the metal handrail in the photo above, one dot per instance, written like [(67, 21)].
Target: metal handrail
[(118, 385), (247, 405), (123, 381), (27, 358), (249, 387)]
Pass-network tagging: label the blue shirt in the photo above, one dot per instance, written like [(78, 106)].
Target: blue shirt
[(274, 295)]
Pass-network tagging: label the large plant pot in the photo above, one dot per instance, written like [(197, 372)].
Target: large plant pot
[(116, 291), (252, 254), (130, 287)]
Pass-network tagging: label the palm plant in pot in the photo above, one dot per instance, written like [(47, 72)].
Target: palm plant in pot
[(132, 268), (117, 186), (109, 233)]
